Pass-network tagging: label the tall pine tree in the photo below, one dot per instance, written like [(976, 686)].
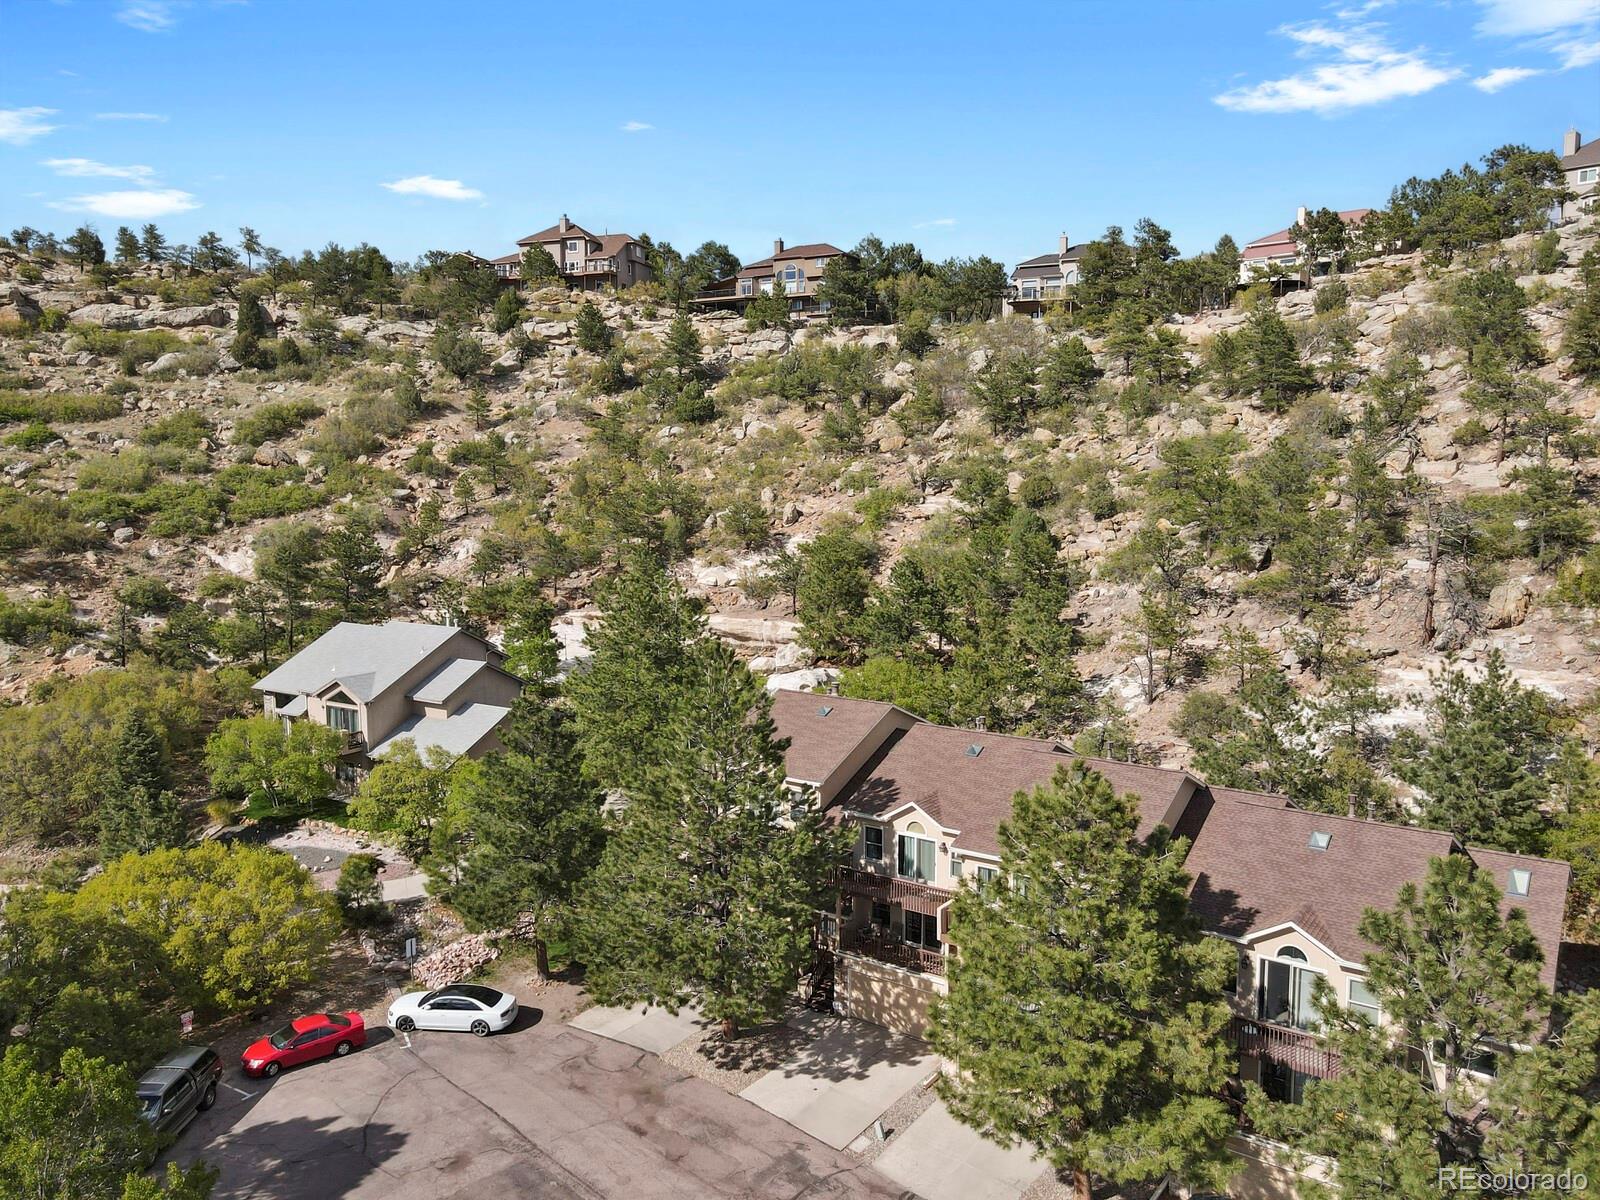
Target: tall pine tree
[(1085, 1013), (139, 812), (709, 888)]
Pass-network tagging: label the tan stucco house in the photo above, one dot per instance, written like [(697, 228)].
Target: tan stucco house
[(1040, 282), (588, 261), (1580, 166), (436, 685), (798, 268)]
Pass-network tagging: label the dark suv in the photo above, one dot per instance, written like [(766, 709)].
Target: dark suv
[(178, 1087)]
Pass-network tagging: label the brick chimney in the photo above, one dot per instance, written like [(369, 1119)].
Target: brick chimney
[(565, 224), (1064, 244), (1300, 215), (1571, 143), (777, 246)]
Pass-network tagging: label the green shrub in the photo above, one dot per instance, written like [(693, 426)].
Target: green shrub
[(57, 406), (133, 470), (28, 622), (693, 406), (36, 436), (36, 523), (1332, 297), (274, 421), (1038, 491), (1547, 254), (186, 429)]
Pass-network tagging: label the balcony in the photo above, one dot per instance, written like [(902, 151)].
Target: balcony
[(872, 944), (892, 888), (590, 266), (1296, 1049)]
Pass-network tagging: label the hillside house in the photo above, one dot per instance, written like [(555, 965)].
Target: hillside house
[(799, 268), (588, 261), (1040, 282), (437, 685), (1580, 164), (1286, 887), (1279, 250)]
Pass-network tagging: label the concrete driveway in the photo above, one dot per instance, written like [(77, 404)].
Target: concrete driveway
[(842, 1078), (939, 1158), (543, 1110), (652, 1029)]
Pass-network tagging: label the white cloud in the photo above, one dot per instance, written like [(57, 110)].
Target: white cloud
[(936, 223), (143, 204), (1577, 54), (85, 168), (19, 126), (148, 16), (438, 189), (636, 126), (1362, 69), (131, 116), (1504, 77), (1526, 18)]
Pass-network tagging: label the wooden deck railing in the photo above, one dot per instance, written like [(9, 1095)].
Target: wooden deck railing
[(1297, 1049), (890, 887), (896, 953)]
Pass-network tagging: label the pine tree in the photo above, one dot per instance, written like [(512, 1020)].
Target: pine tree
[(139, 812), (591, 330), (249, 327), (534, 823), (682, 349), (507, 310), (708, 890), (1273, 372), (1546, 1119), (638, 663), (538, 267), (127, 245), (1581, 340), (351, 580), (1085, 1011), (250, 243), (1069, 374), (152, 243)]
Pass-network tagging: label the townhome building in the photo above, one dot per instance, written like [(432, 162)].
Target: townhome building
[(1580, 168), (438, 686), (1040, 282), (1285, 886), (588, 261), (798, 268), (1279, 249)]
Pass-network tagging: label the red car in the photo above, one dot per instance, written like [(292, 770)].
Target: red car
[(319, 1035)]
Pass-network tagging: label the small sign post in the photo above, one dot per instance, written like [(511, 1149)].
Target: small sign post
[(411, 948)]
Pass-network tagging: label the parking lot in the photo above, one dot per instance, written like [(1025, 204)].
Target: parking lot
[(540, 1110)]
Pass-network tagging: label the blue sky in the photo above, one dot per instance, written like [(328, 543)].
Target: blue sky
[(967, 129)]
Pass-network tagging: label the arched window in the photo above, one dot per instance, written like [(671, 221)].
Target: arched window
[(1285, 995), (916, 854), (794, 279), (1293, 952)]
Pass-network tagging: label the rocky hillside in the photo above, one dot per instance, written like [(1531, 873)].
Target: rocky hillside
[(137, 446)]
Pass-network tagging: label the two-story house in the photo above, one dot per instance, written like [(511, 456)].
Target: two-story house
[(1286, 886), (587, 261), (1580, 168), (1279, 249), (437, 685), (1040, 282), (798, 268)]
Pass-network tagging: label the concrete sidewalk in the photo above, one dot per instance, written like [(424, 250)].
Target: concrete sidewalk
[(842, 1078), (652, 1029), (939, 1158)]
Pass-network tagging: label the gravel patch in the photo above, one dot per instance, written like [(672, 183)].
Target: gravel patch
[(895, 1120), (734, 1066)]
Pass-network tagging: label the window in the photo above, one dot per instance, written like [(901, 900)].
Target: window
[(847, 905), (916, 855), (1230, 985), (880, 913), (1282, 1083), (986, 876), (1285, 992), (1482, 1060), (872, 843), (821, 263), (572, 246), (746, 286), (794, 279), (1520, 880), (1589, 174), (342, 718), (974, 750), (1320, 840), (1364, 1001), (922, 930), (955, 867)]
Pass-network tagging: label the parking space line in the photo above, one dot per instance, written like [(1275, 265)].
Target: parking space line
[(241, 1091)]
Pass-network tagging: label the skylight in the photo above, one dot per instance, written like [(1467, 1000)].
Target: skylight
[(824, 710), (974, 750), (1521, 878), (1320, 840)]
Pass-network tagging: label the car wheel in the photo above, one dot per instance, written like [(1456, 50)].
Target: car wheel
[(405, 1024), (343, 1048), (271, 1070), (210, 1098), (480, 1029)]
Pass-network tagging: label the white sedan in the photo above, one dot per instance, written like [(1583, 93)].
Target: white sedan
[(467, 1007)]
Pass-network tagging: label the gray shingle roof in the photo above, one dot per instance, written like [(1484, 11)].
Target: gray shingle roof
[(455, 734), (1585, 156), (818, 741), (447, 680), (365, 659)]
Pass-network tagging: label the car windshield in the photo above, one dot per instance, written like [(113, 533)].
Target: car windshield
[(283, 1037), (149, 1105), (483, 995), (336, 1019)]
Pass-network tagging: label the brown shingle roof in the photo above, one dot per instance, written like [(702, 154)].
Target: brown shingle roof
[(555, 234), (1073, 254), (1584, 156), (818, 741), (1282, 243), (765, 266), (930, 766), (1546, 901)]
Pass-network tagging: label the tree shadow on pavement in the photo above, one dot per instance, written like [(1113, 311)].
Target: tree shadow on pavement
[(300, 1159)]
